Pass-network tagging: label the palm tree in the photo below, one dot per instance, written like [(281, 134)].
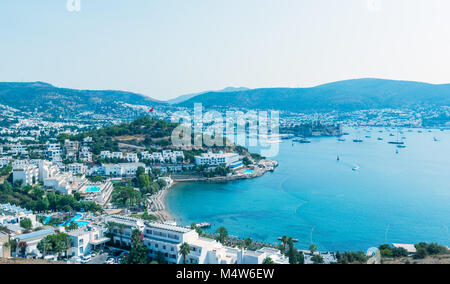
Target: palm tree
[(284, 240), (185, 249), (121, 228)]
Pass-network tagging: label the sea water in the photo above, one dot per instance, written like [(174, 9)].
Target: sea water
[(312, 196)]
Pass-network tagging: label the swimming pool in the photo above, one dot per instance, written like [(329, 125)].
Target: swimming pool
[(92, 189), (247, 172), (77, 220)]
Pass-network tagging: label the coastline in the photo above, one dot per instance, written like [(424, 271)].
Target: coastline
[(160, 201), (163, 213)]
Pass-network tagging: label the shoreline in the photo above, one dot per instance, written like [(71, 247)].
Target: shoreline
[(160, 199)]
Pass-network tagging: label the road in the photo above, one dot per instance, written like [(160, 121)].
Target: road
[(99, 259)]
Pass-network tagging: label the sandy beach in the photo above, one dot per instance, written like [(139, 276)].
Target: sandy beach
[(159, 205), (159, 201)]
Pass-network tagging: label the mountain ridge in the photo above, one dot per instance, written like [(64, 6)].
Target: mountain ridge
[(347, 95)]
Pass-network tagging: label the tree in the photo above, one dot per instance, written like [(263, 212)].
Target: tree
[(295, 257), (185, 249), (421, 253), (143, 181), (140, 171), (246, 161), (22, 247), (248, 242), (26, 224), (121, 228), (313, 248), (57, 244), (317, 259), (399, 252), (268, 260), (284, 241), (139, 251), (222, 234)]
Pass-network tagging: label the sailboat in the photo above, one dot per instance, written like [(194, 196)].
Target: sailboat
[(398, 142)]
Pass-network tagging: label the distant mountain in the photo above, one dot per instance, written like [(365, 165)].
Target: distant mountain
[(50, 99), (183, 98), (347, 95)]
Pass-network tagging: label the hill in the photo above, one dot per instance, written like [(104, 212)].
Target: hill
[(183, 98), (49, 99), (347, 95), (142, 133)]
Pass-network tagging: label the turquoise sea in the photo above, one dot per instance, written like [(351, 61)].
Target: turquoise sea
[(392, 198)]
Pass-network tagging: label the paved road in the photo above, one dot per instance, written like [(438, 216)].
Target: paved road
[(99, 259)]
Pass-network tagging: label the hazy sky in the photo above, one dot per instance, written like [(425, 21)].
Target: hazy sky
[(165, 48)]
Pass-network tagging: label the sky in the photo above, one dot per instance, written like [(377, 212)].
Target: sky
[(167, 48)]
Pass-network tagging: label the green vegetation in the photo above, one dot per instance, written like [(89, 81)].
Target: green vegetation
[(35, 199), (55, 244), (313, 248), (139, 251), (126, 196), (147, 132), (5, 171), (185, 250), (424, 250), (147, 217), (222, 234), (295, 257), (388, 251), (317, 259), (351, 257), (268, 260), (26, 224)]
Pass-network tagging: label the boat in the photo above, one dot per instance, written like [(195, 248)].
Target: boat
[(204, 225), (358, 140), (380, 139), (341, 140), (368, 137), (435, 139), (302, 141), (401, 146), (398, 142), (338, 159), (355, 168)]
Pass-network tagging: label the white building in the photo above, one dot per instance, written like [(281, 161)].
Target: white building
[(120, 170), (216, 159), (86, 240), (11, 214), (132, 157), (76, 169), (17, 149), (105, 154), (27, 173), (166, 156), (32, 240), (117, 155), (4, 161), (85, 155), (165, 240)]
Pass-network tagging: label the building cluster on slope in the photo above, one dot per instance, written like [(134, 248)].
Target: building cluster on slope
[(165, 240)]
